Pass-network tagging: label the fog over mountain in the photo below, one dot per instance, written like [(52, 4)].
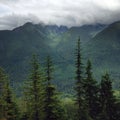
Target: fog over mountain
[(14, 13)]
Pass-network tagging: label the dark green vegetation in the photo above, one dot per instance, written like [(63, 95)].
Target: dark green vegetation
[(33, 92), (104, 51), (41, 100), (101, 45), (16, 47), (8, 107)]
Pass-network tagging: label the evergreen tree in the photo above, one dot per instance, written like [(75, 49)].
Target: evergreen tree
[(34, 91), (91, 92), (107, 99), (82, 113), (9, 109), (3, 78), (52, 107)]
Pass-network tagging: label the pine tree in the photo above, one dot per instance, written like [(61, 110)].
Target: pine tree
[(107, 99), (3, 78), (9, 108), (34, 91), (91, 92), (52, 107), (82, 113)]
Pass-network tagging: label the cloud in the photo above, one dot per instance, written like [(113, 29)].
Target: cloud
[(15, 20), (61, 12)]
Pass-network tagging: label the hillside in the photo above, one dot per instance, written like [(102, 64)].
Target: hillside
[(18, 45), (104, 50)]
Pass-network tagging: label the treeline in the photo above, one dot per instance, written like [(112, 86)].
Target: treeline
[(41, 100)]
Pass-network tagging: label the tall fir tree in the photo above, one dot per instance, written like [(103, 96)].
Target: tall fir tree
[(3, 78), (107, 99), (91, 92), (82, 113), (8, 106), (52, 107), (34, 91)]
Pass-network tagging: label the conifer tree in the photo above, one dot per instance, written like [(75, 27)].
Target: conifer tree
[(52, 108), (107, 99), (82, 113), (3, 78), (91, 92), (8, 107), (34, 91)]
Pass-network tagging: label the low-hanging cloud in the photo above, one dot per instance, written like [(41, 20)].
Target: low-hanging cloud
[(14, 13)]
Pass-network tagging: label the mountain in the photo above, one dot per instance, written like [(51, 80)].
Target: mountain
[(18, 45), (86, 32), (104, 50)]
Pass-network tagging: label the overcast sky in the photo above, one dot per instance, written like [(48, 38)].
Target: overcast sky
[(14, 13)]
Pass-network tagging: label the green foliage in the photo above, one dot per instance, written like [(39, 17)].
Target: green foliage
[(3, 79), (82, 112), (91, 92), (52, 105), (107, 99), (34, 91), (8, 106), (70, 107)]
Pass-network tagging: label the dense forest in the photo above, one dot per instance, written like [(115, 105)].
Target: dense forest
[(40, 99)]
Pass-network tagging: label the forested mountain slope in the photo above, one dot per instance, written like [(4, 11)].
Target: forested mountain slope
[(100, 43)]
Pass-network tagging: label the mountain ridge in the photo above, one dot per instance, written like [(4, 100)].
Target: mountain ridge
[(104, 49), (18, 45)]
